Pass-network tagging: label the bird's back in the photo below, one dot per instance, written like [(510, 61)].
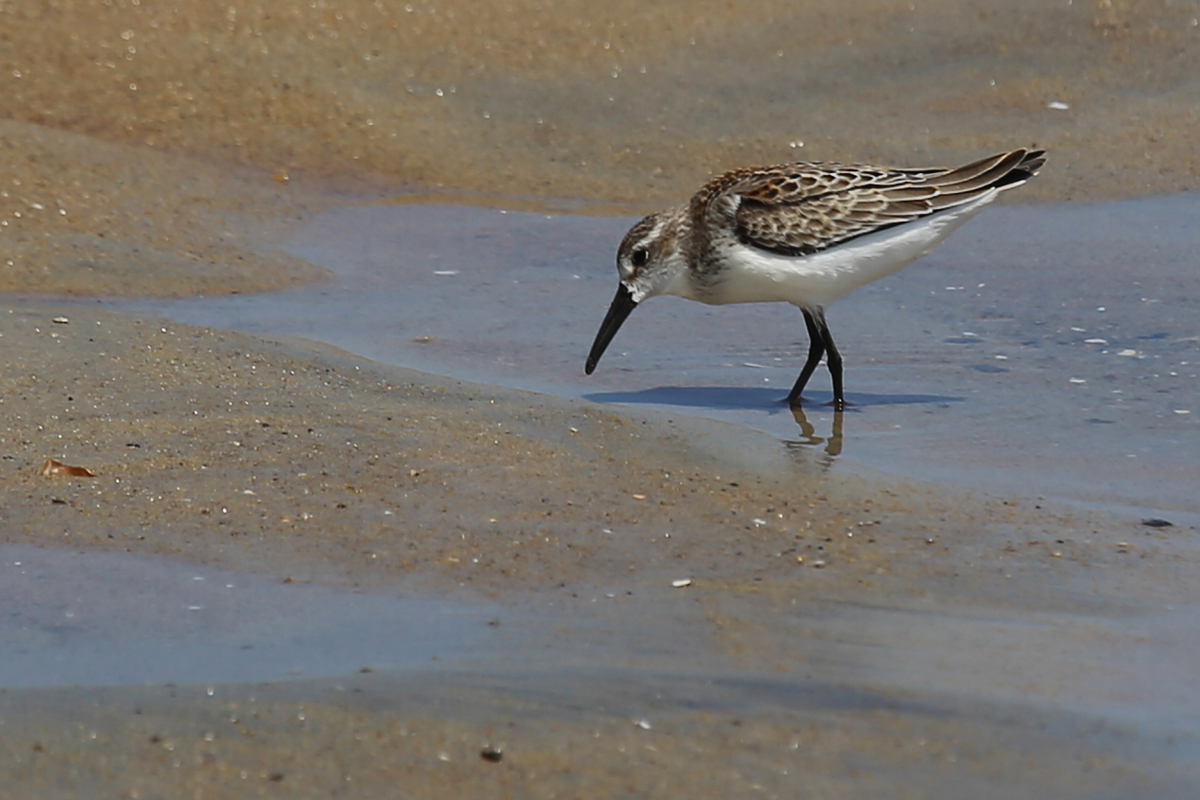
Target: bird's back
[(809, 233), (804, 207)]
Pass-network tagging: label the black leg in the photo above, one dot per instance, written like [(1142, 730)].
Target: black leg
[(816, 349), (833, 359)]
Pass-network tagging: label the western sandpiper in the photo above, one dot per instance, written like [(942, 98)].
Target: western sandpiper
[(807, 233)]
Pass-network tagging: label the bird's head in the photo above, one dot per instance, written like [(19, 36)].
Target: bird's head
[(649, 263)]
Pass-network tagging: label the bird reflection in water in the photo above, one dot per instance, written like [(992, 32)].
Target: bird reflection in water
[(808, 435)]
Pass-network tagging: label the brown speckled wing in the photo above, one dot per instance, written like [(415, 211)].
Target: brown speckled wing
[(802, 208)]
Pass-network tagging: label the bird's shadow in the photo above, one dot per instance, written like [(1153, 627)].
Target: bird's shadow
[(756, 398)]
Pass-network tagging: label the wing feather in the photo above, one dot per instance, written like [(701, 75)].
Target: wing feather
[(802, 208)]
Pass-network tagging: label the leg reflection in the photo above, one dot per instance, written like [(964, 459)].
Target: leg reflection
[(808, 433)]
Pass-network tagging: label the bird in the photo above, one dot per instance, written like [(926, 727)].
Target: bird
[(806, 233)]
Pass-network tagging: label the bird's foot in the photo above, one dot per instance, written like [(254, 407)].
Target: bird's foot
[(835, 404)]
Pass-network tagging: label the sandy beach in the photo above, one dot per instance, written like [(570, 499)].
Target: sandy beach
[(683, 603)]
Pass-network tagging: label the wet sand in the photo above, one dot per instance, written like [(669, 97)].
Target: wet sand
[(300, 464), (367, 735), (183, 143), (296, 460)]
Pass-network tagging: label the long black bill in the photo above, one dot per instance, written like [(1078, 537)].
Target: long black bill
[(622, 305)]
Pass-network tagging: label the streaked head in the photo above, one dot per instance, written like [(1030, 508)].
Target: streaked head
[(648, 261)]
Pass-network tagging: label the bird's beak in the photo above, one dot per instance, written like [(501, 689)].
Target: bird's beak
[(621, 307)]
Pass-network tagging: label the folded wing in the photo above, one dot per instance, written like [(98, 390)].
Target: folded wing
[(803, 208)]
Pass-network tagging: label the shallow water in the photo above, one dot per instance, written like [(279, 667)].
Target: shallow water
[(960, 367), (1049, 350), (980, 365), (94, 619)]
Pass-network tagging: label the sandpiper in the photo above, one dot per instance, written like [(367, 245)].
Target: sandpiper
[(806, 233)]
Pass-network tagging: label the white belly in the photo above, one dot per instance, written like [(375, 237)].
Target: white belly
[(757, 276)]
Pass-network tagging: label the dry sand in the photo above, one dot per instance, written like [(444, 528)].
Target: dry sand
[(197, 123), (165, 149)]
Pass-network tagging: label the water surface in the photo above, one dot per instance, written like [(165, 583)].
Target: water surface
[(1050, 350), (96, 619)]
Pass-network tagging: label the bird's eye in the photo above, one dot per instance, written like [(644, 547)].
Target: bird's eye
[(640, 257)]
